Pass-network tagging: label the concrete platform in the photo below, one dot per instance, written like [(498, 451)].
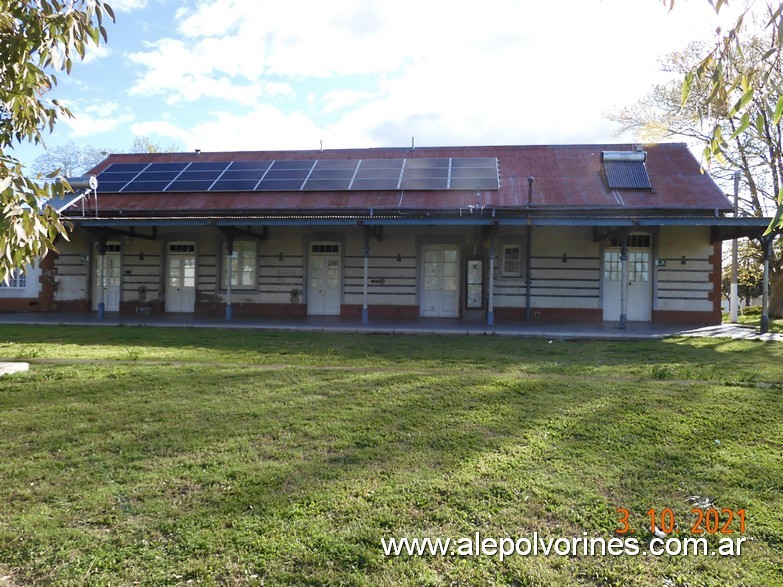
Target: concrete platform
[(8, 368), (443, 326)]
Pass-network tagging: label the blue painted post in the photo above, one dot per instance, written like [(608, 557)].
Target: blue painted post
[(101, 279), (491, 278), (229, 254), (365, 290), (624, 282)]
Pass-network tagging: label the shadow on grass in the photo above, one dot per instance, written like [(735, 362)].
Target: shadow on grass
[(287, 473), (743, 360)]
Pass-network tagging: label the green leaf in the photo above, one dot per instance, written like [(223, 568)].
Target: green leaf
[(760, 124), (686, 87), (744, 124), (778, 111), (777, 221), (742, 102)]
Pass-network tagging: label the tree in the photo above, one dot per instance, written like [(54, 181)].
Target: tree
[(749, 273), (145, 145), (663, 115), (37, 40), (68, 160), (727, 86), (757, 154)]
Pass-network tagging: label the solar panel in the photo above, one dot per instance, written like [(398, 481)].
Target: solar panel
[(255, 174), (234, 185), (626, 170), (208, 166), (375, 184), (279, 185), (419, 173), (327, 185), (117, 167), (239, 165), (193, 185), (424, 184)]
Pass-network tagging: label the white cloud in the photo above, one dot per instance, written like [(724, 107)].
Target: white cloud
[(263, 128), (508, 72), (128, 5), (92, 117), (340, 99), (96, 52)]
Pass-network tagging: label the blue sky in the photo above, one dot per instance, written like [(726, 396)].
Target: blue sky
[(292, 74)]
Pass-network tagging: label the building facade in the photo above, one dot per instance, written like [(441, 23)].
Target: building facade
[(612, 233)]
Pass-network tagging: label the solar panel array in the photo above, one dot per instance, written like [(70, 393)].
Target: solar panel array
[(469, 173), (627, 175)]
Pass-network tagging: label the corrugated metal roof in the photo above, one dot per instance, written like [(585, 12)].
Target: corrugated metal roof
[(566, 177)]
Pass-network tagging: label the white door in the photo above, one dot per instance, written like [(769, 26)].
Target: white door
[(440, 282), (323, 293), (639, 285), (181, 278), (110, 273)]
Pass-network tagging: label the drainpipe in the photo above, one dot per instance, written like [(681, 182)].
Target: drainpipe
[(365, 286), (733, 293), (491, 293), (766, 246), (229, 254), (528, 270), (624, 282), (528, 252), (101, 278)]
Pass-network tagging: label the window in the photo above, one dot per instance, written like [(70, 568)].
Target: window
[(182, 248), (612, 266), (325, 248), (641, 241), (512, 260), (243, 265), (16, 279), (638, 266)]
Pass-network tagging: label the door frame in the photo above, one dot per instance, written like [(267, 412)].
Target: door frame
[(331, 248), (166, 257), (611, 308), (94, 276), (441, 246)]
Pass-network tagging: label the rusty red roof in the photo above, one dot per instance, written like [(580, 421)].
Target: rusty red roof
[(566, 178)]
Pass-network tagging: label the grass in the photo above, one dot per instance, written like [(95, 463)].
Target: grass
[(754, 319), (174, 456)]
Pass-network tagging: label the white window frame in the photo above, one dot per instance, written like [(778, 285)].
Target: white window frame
[(242, 249), (505, 272), (16, 280)]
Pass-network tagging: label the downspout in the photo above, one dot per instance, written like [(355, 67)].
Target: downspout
[(365, 282), (624, 282), (491, 293), (766, 246), (733, 292), (229, 254), (101, 278), (528, 252)]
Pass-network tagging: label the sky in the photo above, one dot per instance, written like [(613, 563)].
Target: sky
[(232, 75)]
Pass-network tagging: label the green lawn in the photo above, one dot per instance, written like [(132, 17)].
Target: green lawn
[(754, 319), (155, 456)]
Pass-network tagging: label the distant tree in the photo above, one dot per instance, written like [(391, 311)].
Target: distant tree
[(37, 39), (749, 272), (68, 160), (145, 145)]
